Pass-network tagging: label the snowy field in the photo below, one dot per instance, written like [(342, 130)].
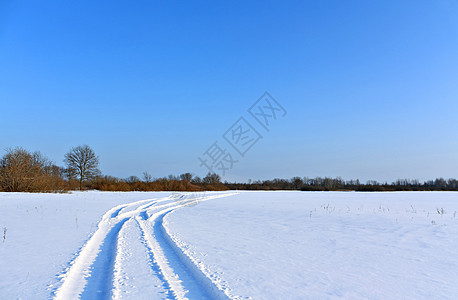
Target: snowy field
[(236, 245)]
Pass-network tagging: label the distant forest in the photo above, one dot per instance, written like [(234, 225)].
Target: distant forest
[(24, 171)]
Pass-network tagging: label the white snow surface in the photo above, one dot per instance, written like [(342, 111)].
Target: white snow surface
[(44, 233), (309, 245), (229, 245)]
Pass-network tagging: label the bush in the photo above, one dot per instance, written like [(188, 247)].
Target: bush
[(23, 171)]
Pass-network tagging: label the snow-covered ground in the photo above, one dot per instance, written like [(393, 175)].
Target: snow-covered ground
[(260, 245), (296, 245), (44, 232)]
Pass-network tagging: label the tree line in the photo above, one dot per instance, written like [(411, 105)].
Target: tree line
[(25, 171), (338, 184)]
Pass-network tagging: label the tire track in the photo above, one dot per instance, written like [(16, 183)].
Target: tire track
[(96, 272), (178, 279), (75, 279), (185, 279), (100, 285), (135, 274)]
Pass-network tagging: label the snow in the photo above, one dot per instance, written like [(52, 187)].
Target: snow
[(237, 245), (297, 245), (44, 234)]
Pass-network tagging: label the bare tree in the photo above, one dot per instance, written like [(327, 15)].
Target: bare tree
[(196, 180), (132, 179), (186, 177), (297, 182), (24, 171), (82, 163), (147, 177), (212, 179)]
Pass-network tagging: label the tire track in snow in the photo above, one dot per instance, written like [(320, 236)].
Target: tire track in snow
[(95, 272), (100, 284), (116, 212), (185, 279), (75, 279), (182, 285), (135, 275)]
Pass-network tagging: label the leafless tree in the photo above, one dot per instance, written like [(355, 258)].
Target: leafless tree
[(132, 179), (186, 177), (147, 177), (82, 163), (23, 171), (212, 179), (297, 182)]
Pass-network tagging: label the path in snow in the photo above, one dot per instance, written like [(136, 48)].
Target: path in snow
[(131, 256)]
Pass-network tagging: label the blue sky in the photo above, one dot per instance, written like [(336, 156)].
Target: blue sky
[(370, 87)]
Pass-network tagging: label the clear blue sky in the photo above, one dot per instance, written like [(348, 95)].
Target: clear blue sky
[(370, 87)]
